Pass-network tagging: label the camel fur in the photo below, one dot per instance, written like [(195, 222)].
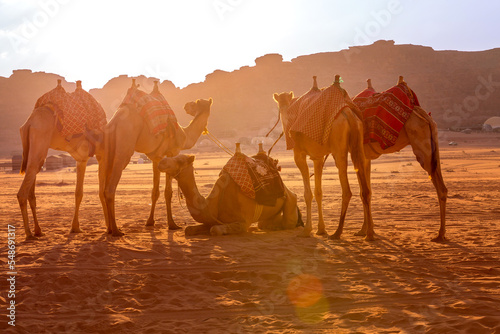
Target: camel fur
[(38, 134), (127, 132), (421, 133), (346, 136), (227, 210)]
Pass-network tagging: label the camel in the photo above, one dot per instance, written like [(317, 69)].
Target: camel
[(38, 134), (227, 210), (419, 131), (127, 132), (346, 135)]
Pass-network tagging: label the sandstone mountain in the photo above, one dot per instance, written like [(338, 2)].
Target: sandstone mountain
[(460, 89)]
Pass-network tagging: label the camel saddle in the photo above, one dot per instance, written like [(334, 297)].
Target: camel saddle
[(154, 109), (77, 113), (385, 114), (313, 113), (257, 178)]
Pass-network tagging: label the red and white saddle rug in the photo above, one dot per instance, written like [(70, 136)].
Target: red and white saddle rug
[(384, 114)]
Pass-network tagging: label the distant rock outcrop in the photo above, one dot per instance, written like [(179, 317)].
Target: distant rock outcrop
[(460, 89)]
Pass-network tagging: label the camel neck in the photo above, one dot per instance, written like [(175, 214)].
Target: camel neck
[(195, 128), (284, 116), (197, 204)]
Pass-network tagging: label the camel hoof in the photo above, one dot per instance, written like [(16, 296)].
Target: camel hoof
[(75, 230), (30, 237), (439, 238), (38, 233), (150, 222), (117, 233), (216, 231), (321, 232), (195, 230), (369, 238), (174, 227), (335, 236), (360, 233)]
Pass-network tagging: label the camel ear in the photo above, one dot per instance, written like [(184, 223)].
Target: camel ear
[(210, 101), (190, 159), (275, 97), (291, 94)]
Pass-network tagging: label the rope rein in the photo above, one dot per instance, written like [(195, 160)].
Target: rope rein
[(217, 142)]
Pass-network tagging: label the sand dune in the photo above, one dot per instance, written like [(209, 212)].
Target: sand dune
[(157, 281)]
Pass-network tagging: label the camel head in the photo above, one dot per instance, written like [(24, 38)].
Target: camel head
[(197, 107), (173, 166), (283, 99)]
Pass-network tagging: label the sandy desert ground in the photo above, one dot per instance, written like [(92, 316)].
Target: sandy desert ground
[(154, 280)]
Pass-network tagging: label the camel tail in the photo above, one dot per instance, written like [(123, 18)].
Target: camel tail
[(434, 142), (25, 139)]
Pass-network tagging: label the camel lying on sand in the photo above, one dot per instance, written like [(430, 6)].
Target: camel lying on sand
[(227, 210), (38, 134), (127, 132), (346, 135), (419, 131)]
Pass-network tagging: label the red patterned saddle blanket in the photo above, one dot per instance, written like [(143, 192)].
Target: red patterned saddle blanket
[(155, 110), (384, 114), (314, 112), (76, 113), (257, 177)]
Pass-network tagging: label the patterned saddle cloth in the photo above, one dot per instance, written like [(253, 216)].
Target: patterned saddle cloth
[(314, 112), (257, 177), (384, 114), (76, 113), (155, 109)]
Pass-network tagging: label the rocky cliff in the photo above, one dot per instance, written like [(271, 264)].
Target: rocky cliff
[(458, 88)]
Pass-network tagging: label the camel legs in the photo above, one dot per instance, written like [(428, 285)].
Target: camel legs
[(81, 166), (341, 163), (38, 145), (102, 184), (318, 194), (168, 202), (231, 228), (427, 153), (300, 161), (368, 166), (155, 194)]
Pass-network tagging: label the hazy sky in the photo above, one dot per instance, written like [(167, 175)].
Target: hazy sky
[(183, 41)]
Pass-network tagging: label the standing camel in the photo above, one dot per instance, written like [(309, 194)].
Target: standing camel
[(41, 132), (419, 131), (127, 132), (345, 135)]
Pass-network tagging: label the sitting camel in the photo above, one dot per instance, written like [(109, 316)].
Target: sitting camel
[(39, 133), (345, 135), (419, 131), (127, 132), (227, 209)]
